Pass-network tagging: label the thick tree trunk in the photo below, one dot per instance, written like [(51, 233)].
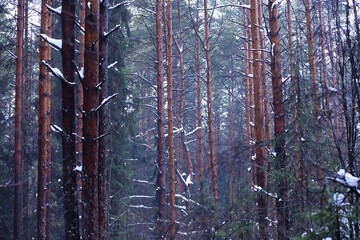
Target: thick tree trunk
[(103, 118), (80, 103), (259, 130), (198, 103), (279, 121), (170, 122), (18, 194), (248, 97), (161, 176), (209, 107), (72, 230), (90, 120), (44, 148)]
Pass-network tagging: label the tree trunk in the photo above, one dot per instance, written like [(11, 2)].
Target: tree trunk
[(170, 122), (259, 131), (72, 230), (324, 69), (103, 118), (90, 120), (279, 121), (210, 108), (198, 103), (18, 194), (185, 148), (80, 102), (334, 79), (312, 61), (44, 148), (161, 176)]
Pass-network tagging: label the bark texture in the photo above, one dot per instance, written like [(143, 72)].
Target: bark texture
[(170, 121), (71, 214), (18, 194), (90, 120), (161, 176), (279, 121), (44, 148), (259, 128), (210, 107), (103, 117)]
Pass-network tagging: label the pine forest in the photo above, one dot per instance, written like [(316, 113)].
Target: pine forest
[(179, 119)]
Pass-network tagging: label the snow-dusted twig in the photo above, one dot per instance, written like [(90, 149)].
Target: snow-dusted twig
[(101, 136), (54, 10), (57, 73), (118, 5), (77, 23), (193, 131), (143, 181), (56, 128), (105, 101), (112, 65), (79, 72), (140, 206), (257, 188), (107, 34), (55, 43)]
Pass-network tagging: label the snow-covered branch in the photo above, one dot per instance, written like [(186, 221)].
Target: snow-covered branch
[(55, 43), (105, 101), (107, 34), (57, 73), (118, 5), (347, 180), (143, 181), (112, 65), (54, 10), (193, 131)]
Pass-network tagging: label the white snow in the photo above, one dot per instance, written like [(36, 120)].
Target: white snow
[(346, 178), (55, 43), (338, 199), (78, 169), (55, 128), (55, 10), (331, 89), (112, 65), (188, 180)]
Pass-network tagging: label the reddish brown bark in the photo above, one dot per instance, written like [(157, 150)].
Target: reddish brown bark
[(248, 98), (103, 117), (279, 121), (44, 148), (161, 176), (80, 102), (259, 130), (312, 60), (170, 121), (210, 107), (198, 102), (18, 193), (72, 230), (90, 120)]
